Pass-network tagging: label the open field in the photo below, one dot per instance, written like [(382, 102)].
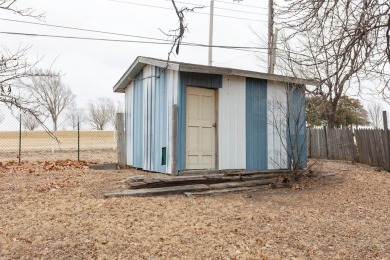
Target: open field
[(98, 146), (63, 215)]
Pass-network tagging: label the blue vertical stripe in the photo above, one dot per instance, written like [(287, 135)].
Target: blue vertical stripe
[(256, 124), (159, 120), (138, 122), (296, 127), (195, 80)]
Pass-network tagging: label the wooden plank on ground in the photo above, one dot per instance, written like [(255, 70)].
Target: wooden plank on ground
[(223, 191), (205, 179), (228, 185), (207, 172), (154, 183), (246, 173), (237, 190), (158, 191)]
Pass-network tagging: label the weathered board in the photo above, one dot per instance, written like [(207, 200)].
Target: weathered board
[(158, 191)]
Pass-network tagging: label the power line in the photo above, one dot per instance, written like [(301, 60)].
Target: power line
[(84, 29), (90, 30), (241, 48), (167, 8), (252, 6), (221, 8)]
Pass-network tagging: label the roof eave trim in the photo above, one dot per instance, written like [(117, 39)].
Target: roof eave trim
[(136, 67)]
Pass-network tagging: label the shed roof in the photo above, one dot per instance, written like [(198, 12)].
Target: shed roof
[(141, 61)]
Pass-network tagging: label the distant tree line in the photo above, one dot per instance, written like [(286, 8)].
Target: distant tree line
[(350, 113)]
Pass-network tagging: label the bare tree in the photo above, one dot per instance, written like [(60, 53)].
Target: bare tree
[(14, 66), (74, 116), (47, 91), (101, 112), (29, 121), (340, 44), (375, 110)]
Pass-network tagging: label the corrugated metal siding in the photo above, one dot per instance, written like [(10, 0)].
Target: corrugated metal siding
[(129, 122), (159, 121), (195, 80), (296, 126), (147, 85), (231, 123), (277, 116), (138, 108), (256, 124)]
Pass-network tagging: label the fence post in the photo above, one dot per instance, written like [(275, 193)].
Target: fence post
[(326, 143), (386, 138), (121, 139), (308, 138), (78, 138), (20, 136)]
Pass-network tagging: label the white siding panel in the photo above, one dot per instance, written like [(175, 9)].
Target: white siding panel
[(147, 86), (172, 84), (231, 123), (276, 114), (129, 123)]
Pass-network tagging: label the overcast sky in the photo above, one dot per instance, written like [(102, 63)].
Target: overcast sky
[(91, 67)]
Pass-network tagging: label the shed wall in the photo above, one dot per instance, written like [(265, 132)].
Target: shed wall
[(129, 122), (148, 72), (231, 123), (256, 124), (296, 127), (138, 123), (276, 125), (158, 122)]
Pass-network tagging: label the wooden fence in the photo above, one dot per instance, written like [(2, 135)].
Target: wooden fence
[(373, 147), (332, 144), (368, 146)]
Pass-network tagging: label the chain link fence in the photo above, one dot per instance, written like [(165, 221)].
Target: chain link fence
[(80, 144)]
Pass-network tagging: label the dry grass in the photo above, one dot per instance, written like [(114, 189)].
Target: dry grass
[(37, 145), (62, 215), (40, 140)]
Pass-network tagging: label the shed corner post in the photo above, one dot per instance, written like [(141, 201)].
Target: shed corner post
[(121, 140), (174, 144)]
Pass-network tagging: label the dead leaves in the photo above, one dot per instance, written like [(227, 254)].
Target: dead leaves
[(13, 167)]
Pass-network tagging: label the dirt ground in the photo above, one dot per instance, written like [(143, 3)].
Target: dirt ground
[(63, 215)]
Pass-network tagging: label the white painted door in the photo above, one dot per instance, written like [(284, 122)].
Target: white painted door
[(200, 128)]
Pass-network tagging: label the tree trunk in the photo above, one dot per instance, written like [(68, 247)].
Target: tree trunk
[(54, 125), (331, 115), (330, 119)]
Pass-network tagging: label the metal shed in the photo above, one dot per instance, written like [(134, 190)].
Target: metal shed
[(182, 116)]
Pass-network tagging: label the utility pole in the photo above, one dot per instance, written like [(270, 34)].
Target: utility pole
[(273, 57), (270, 35), (211, 30)]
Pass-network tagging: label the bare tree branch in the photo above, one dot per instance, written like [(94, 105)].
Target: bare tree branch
[(101, 112), (46, 90), (10, 5), (343, 43)]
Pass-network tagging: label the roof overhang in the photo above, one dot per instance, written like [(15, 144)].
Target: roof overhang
[(140, 62)]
